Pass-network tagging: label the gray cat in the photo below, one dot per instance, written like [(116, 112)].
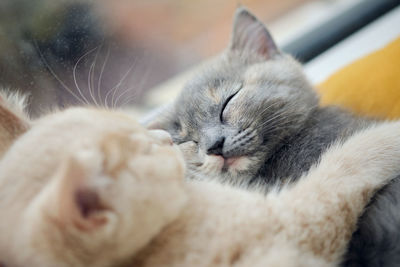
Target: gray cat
[(251, 118)]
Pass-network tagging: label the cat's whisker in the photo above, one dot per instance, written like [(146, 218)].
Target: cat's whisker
[(110, 93), (275, 127), (50, 69), (268, 108), (91, 75), (279, 108), (101, 75), (274, 119), (273, 104), (74, 73), (117, 86), (138, 88), (281, 124), (122, 94), (277, 114), (89, 81), (106, 99), (128, 99), (279, 117)]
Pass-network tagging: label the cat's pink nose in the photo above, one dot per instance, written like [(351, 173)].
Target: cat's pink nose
[(162, 136)]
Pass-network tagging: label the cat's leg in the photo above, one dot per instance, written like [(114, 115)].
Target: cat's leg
[(322, 208), (377, 239)]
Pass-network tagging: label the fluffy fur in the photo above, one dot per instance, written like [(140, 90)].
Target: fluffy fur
[(77, 185), (253, 104), (84, 187), (252, 119)]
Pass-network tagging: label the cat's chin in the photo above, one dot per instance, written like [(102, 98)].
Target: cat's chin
[(235, 170), (215, 165), (237, 164), (232, 165)]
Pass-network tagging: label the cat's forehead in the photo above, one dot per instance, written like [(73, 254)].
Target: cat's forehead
[(222, 77), (210, 85)]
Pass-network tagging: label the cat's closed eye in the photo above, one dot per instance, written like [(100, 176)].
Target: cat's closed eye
[(189, 143), (189, 150), (221, 115), (186, 142), (177, 125)]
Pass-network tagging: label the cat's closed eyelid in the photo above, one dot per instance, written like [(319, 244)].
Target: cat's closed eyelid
[(177, 125), (235, 91), (189, 143), (186, 142), (221, 116)]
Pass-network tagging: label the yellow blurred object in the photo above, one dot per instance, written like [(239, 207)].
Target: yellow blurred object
[(369, 86)]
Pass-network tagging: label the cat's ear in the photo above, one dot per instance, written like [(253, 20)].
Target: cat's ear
[(160, 118), (13, 120), (249, 35)]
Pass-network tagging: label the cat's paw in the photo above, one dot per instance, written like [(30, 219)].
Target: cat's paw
[(148, 172), (118, 193)]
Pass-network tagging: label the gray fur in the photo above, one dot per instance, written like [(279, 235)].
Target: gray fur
[(377, 240), (273, 118)]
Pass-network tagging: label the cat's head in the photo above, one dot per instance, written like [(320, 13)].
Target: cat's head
[(238, 110), (84, 187)]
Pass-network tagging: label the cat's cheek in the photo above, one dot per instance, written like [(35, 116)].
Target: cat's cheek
[(213, 164), (190, 151), (238, 164)]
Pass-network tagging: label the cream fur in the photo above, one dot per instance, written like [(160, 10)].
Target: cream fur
[(308, 224), (87, 187)]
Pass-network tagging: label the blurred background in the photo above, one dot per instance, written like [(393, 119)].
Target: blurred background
[(113, 53)]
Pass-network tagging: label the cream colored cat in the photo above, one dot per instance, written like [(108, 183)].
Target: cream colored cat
[(89, 187)]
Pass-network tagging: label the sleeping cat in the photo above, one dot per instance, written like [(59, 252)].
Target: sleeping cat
[(251, 118), (85, 187)]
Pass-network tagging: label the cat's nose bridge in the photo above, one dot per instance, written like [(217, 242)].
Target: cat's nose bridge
[(216, 139), (213, 140), (217, 147)]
